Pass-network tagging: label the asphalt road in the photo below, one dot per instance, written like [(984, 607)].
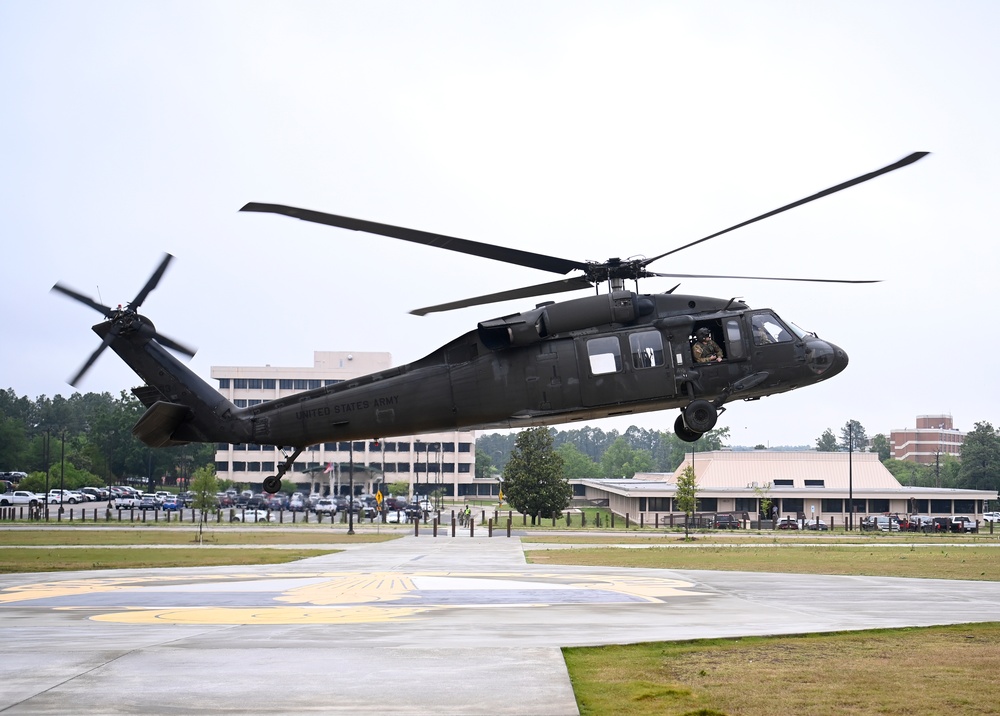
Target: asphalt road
[(413, 626)]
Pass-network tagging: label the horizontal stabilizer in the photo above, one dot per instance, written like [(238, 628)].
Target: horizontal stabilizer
[(157, 425)]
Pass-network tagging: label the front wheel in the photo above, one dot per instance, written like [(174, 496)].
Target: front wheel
[(683, 432), (700, 416)]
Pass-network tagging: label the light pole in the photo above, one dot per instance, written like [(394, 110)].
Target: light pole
[(350, 497), (850, 475)]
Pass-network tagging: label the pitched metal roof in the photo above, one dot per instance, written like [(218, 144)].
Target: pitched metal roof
[(745, 469)]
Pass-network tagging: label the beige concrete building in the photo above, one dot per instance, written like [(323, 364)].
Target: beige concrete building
[(809, 485), (444, 462)]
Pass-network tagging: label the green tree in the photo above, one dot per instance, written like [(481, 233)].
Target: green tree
[(577, 465), (622, 460), (981, 458), (533, 481), (880, 444), (204, 486), (686, 497), (853, 437), (827, 442), (484, 464)]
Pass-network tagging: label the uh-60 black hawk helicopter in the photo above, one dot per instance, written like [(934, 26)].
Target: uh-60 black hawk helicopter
[(610, 354)]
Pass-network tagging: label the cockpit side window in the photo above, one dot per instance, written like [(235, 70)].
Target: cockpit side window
[(768, 329), (646, 348)]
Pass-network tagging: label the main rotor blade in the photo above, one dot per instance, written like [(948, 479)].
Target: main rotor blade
[(542, 289), (764, 278), (905, 161), (151, 283), (104, 310), (465, 246)]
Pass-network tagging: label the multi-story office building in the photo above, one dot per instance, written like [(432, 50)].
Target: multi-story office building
[(935, 435), (443, 461)]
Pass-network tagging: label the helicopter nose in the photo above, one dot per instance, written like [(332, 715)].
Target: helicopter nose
[(825, 359)]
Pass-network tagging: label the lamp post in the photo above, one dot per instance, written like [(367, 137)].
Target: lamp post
[(850, 475), (350, 496), (62, 472)]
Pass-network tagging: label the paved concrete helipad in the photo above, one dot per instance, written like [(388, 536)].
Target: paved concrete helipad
[(414, 626)]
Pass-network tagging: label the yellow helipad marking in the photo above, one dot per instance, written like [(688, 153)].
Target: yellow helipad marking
[(331, 597), (265, 615)]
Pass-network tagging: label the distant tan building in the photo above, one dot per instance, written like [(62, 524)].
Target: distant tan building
[(799, 484), (444, 461), (935, 435)]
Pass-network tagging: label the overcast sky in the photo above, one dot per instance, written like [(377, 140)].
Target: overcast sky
[(583, 130)]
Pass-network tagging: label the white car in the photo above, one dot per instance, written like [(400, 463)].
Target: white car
[(325, 506), (252, 516), (991, 516)]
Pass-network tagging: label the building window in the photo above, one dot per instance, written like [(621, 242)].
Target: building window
[(793, 504), (465, 447), (286, 384), (240, 383), (332, 382), (832, 505), (240, 403), (708, 504), (389, 447), (267, 467), (240, 446), (784, 483), (255, 383), (223, 383), (374, 447), (222, 446), (464, 467), (221, 466), (815, 483), (239, 467), (448, 447), (343, 447), (658, 504), (300, 384), (389, 467), (402, 467), (403, 447), (253, 467), (448, 467), (878, 505), (330, 446), (268, 383)]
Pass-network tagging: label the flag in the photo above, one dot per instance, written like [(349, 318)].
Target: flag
[(329, 467)]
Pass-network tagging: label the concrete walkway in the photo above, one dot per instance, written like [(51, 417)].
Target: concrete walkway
[(412, 626)]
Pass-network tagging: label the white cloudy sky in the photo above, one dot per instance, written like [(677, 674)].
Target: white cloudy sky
[(579, 129)]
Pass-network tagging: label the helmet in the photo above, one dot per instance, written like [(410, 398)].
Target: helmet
[(703, 333)]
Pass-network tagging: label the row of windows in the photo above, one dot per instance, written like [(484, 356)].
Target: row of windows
[(359, 446), (270, 383), (794, 505), (419, 468)]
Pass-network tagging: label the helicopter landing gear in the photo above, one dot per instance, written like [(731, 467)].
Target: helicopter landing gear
[(273, 483), (681, 430), (695, 420)]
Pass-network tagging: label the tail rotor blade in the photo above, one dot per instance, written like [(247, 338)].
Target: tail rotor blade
[(65, 290), (152, 282), (93, 357)]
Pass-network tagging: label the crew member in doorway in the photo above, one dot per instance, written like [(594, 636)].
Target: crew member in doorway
[(706, 350)]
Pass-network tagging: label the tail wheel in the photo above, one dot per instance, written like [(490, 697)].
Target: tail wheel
[(700, 416)]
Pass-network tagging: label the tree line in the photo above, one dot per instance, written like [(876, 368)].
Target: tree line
[(86, 439)]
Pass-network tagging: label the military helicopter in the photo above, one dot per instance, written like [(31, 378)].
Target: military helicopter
[(613, 353)]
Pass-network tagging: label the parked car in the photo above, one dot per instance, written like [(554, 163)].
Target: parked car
[(325, 506), (171, 503), (816, 525), (252, 516), (149, 502), (961, 523), (726, 522), (991, 516), (788, 523)]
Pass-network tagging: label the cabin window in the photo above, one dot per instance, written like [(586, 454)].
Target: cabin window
[(605, 355), (734, 339), (768, 329), (647, 349)]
